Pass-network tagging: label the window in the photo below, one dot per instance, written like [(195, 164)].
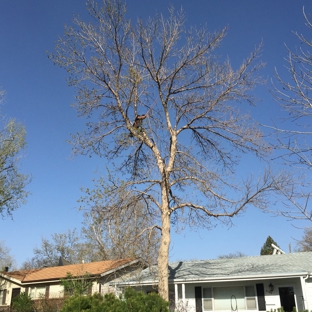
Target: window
[(37, 292), (2, 296), (207, 297), (251, 298)]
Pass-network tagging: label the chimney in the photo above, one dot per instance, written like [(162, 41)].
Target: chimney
[(6, 269)]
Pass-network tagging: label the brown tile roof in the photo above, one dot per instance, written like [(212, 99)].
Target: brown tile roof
[(19, 275), (58, 272)]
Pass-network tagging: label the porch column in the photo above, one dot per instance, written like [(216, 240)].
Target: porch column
[(183, 292), (176, 294), (304, 294)]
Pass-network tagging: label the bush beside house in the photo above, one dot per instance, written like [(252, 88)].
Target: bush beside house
[(132, 301)]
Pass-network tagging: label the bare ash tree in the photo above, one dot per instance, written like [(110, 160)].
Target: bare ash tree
[(68, 245), (166, 112), (6, 260), (305, 244), (294, 94)]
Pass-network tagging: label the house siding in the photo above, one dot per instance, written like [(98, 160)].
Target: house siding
[(7, 287), (308, 293), (290, 274), (56, 291), (185, 298), (47, 281), (273, 300)]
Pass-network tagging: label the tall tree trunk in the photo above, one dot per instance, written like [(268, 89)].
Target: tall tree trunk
[(163, 256)]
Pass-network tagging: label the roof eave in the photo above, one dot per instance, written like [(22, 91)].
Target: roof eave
[(219, 279), (55, 279), (241, 278), (119, 267), (12, 279)]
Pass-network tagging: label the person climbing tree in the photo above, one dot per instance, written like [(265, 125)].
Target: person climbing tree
[(137, 124), (138, 121)]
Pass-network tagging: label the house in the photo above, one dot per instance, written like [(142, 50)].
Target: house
[(46, 282), (258, 283)]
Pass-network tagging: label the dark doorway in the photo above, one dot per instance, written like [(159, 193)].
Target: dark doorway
[(15, 293), (198, 299), (287, 298)]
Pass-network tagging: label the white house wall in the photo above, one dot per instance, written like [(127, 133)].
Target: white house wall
[(272, 299), (8, 286), (308, 294), (56, 291)]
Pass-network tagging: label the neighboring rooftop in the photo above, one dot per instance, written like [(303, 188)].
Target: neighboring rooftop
[(243, 267), (59, 272)]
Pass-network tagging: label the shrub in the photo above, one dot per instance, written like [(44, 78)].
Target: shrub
[(132, 301), (78, 303), (139, 302), (23, 303)]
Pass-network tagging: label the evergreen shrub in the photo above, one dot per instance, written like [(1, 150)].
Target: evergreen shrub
[(132, 301)]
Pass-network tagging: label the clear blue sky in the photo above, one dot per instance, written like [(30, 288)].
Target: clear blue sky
[(38, 96)]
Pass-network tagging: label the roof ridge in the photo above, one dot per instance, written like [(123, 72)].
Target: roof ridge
[(92, 262), (235, 258)]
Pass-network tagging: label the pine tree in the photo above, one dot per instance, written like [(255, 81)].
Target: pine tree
[(267, 248)]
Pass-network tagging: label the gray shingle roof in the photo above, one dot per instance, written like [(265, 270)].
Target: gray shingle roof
[(294, 264)]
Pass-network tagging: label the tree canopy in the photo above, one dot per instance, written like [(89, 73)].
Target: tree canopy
[(305, 244), (12, 181), (113, 228), (293, 93), (6, 259), (168, 114), (67, 245), (118, 226)]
